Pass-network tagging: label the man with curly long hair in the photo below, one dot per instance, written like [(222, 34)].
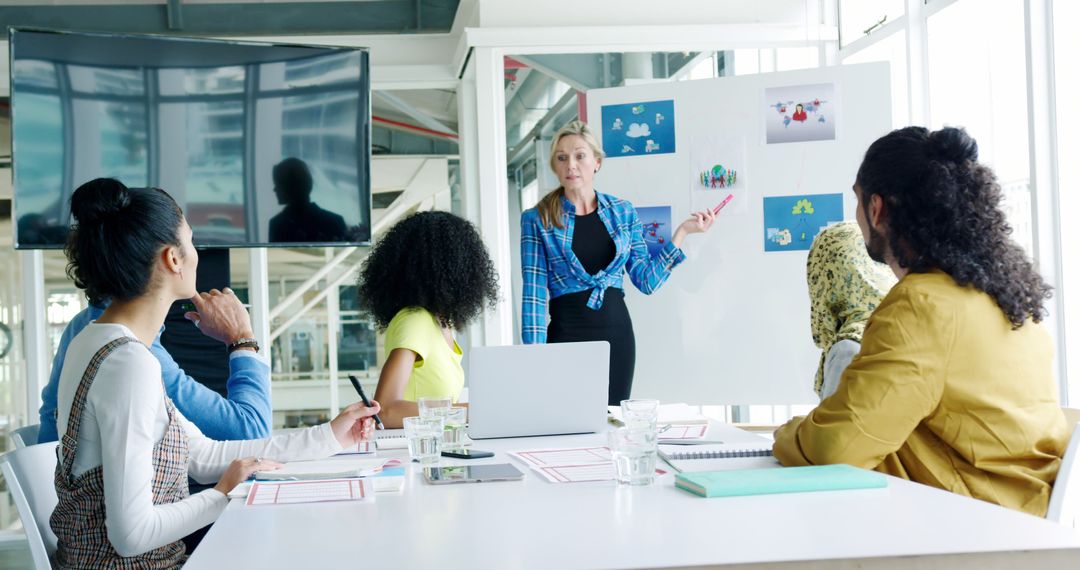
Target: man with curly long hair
[(953, 385), (428, 276)]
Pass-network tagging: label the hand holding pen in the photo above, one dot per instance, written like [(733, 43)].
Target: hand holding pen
[(721, 205), (698, 222), (360, 390), (355, 424)]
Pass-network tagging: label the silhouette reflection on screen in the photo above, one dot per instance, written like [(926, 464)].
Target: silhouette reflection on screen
[(301, 220)]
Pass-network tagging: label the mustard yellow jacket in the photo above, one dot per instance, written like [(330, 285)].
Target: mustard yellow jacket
[(945, 393)]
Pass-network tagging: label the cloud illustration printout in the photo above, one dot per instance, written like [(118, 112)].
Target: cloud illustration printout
[(637, 129)]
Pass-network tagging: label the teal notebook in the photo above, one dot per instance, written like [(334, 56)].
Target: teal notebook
[(739, 482)]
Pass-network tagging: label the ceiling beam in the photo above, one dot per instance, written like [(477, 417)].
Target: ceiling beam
[(519, 41), (582, 71), (240, 18), (415, 114)]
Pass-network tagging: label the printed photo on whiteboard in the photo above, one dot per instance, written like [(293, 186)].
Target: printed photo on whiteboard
[(637, 129), (792, 222), (655, 227), (800, 113), (718, 168)]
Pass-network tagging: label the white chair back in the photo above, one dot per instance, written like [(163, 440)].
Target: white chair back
[(1065, 497), (25, 436), (29, 475)]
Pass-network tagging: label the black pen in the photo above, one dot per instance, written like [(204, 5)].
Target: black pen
[(360, 390)]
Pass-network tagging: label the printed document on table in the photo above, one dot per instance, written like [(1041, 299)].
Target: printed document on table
[(286, 492), (564, 456), (578, 473), (571, 465), (339, 468), (675, 431)]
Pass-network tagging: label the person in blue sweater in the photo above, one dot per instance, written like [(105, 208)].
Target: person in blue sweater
[(245, 414)]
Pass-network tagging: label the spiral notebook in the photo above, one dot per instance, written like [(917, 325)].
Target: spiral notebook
[(717, 451), (391, 439), (718, 456)]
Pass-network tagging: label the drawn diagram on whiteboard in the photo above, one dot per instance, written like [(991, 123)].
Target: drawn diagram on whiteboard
[(655, 227), (718, 177), (792, 222), (718, 168), (635, 129), (800, 113)]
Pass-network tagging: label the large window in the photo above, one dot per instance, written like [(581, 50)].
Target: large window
[(891, 49), (965, 63), (356, 338), (12, 365), (789, 59), (860, 17), (747, 61), (1067, 85), (301, 354), (978, 80), (704, 69)]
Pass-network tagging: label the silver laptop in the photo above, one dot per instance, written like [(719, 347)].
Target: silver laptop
[(538, 389)]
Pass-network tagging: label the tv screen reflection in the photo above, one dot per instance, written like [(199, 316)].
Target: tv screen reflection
[(261, 145)]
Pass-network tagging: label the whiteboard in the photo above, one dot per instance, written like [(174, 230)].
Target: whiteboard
[(732, 324)]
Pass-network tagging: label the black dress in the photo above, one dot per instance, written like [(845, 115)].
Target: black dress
[(573, 321)]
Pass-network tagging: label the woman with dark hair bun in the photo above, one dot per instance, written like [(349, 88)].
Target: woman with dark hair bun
[(953, 386), (428, 276), (126, 453), (122, 229)]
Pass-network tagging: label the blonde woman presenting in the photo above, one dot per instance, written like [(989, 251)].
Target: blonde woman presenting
[(577, 245)]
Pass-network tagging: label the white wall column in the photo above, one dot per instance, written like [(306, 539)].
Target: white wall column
[(828, 50), (259, 299), (333, 325), (468, 151), (35, 337), (468, 161), (918, 64), (493, 190)]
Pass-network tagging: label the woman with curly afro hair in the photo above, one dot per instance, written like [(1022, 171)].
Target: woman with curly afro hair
[(953, 385), (429, 275)]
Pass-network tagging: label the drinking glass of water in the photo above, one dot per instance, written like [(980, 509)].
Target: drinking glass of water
[(454, 430), (434, 406), (633, 449), (425, 437), (640, 413)]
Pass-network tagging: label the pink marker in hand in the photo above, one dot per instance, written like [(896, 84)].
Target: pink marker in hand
[(719, 207)]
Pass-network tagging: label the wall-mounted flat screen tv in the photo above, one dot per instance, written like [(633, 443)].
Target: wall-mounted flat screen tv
[(262, 145)]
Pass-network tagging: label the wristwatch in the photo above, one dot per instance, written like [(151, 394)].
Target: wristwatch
[(243, 343)]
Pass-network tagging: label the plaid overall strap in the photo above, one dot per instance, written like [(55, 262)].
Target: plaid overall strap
[(79, 517), (70, 438)]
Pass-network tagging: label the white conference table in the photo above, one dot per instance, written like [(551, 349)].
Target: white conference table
[(534, 524)]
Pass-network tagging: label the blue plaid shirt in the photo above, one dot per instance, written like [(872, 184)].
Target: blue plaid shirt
[(550, 268)]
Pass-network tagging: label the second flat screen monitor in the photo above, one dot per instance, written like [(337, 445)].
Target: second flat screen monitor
[(260, 144)]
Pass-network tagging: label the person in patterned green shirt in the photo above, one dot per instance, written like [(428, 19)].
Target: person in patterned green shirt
[(846, 286)]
